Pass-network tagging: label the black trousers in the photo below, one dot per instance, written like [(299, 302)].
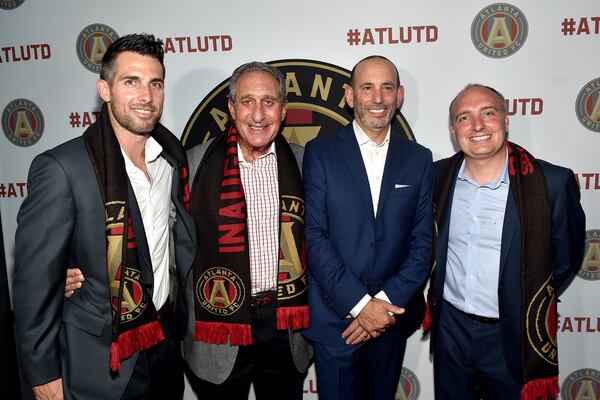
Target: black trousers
[(158, 373), (267, 364)]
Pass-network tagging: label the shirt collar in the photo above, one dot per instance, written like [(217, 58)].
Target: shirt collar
[(153, 149), (504, 177), (242, 160), (362, 138)]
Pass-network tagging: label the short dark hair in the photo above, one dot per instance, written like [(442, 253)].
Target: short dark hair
[(257, 66), (496, 93), (353, 73), (140, 43)]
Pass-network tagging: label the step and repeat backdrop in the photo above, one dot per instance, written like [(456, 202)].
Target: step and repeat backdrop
[(544, 56)]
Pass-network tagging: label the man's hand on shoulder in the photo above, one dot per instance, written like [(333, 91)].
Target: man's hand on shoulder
[(52, 390), (375, 317)]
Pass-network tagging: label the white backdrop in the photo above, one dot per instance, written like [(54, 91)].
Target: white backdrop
[(557, 57)]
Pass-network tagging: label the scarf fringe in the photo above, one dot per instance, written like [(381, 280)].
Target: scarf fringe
[(221, 333), (427, 320), (292, 317), (134, 340), (544, 388)]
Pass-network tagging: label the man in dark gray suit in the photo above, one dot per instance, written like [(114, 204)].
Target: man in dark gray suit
[(115, 203), (247, 291)]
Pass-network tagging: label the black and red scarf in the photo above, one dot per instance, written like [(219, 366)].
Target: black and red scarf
[(539, 357), (134, 323), (222, 287)]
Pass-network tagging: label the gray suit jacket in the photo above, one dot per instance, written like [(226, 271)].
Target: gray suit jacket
[(212, 362), (62, 224)]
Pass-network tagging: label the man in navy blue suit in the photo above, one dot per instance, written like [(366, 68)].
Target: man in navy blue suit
[(368, 231), (511, 234)]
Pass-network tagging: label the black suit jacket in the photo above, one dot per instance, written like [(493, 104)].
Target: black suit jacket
[(62, 224)]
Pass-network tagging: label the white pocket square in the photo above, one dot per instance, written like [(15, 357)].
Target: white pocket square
[(399, 186)]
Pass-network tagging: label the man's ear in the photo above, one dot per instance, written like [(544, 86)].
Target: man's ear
[(349, 95), (103, 88)]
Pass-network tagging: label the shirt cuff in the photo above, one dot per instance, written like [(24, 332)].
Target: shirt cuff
[(360, 305), (382, 296)]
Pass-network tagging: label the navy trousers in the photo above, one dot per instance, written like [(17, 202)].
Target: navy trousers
[(469, 359)]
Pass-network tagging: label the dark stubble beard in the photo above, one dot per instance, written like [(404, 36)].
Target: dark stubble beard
[(129, 123)]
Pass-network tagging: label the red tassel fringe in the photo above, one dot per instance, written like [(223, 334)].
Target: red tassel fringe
[(221, 333), (292, 317), (427, 320), (134, 340), (540, 389)]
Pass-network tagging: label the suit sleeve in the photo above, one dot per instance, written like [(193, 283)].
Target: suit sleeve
[(411, 275), (340, 287), (568, 231), (42, 247)]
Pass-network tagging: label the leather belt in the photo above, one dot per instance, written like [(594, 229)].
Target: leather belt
[(475, 317), (263, 298), (165, 312)]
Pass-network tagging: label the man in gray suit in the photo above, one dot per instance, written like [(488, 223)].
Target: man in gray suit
[(247, 291), (113, 202)]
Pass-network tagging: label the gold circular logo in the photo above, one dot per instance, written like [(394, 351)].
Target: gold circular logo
[(220, 291)]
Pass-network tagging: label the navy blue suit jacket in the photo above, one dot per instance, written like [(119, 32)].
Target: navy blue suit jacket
[(352, 253), (568, 241)]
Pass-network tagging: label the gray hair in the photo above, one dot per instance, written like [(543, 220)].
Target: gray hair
[(256, 66)]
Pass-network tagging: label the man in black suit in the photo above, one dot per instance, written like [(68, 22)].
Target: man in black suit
[(115, 203)]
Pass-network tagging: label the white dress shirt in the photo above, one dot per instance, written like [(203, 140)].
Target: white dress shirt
[(154, 201), (374, 156)]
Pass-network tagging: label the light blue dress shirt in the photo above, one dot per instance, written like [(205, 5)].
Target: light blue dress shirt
[(475, 236)]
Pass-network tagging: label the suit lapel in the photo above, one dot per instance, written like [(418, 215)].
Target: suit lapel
[(509, 229), (393, 164), (354, 162)]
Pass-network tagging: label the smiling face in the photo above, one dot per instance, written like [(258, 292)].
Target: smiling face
[(257, 111), (479, 125), (375, 96), (136, 94)]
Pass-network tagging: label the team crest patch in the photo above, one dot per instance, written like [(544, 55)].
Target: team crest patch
[(135, 299), (581, 384), (10, 4), (316, 104), (409, 387), (499, 30), (541, 323), (220, 291), (22, 122), (92, 43), (292, 276), (590, 268), (587, 105)]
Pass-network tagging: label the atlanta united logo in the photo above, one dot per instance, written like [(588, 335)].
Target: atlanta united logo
[(220, 291), (541, 323), (134, 301), (590, 268), (499, 30), (581, 384), (587, 105), (409, 387), (10, 4), (92, 43), (292, 261), (316, 104), (22, 122)]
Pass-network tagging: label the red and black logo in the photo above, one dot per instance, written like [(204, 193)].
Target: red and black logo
[(22, 122), (92, 43)]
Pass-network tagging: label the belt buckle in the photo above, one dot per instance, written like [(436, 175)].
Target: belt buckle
[(262, 299)]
